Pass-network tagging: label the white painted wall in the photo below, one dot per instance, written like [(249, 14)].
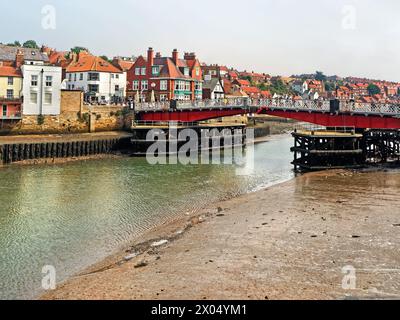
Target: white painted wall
[(107, 82), (41, 107)]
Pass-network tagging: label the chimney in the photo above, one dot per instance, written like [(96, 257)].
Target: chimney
[(190, 56), (150, 59), (175, 56), (19, 59)]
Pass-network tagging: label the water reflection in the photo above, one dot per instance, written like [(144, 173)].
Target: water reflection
[(72, 215)]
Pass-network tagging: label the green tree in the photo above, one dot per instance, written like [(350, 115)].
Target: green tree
[(279, 87), (78, 49), (319, 75), (373, 89), (15, 44), (330, 86), (30, 44), (105, 58)]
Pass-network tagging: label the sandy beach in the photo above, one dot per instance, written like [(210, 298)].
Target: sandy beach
[(290, 241)]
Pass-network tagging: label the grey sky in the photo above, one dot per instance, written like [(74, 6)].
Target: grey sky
[(273, 36)]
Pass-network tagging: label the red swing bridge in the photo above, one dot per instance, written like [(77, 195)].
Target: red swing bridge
[(328, 113), (350, 134)]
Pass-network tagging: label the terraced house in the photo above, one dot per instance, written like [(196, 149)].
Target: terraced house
[(101, 81), (10, 92), (160, 78), (33, 85)]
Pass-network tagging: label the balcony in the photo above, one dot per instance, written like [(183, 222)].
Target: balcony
[(17, 116), (5, 99)]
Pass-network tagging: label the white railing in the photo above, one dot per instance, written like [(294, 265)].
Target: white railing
[(150, 106), (281, 104), (370, 108)]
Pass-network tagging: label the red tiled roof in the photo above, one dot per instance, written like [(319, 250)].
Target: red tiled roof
[(242, 82), (88, 62), (57, 56), (7, 71), (266, 93), (251, 90), (124, 65)]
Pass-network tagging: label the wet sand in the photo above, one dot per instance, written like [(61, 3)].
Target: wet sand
[(289, 241)]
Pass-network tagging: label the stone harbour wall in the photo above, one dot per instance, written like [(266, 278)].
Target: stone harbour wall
[(75, 117)]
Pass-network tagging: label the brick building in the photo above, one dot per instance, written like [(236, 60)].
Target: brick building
[(160, 78)]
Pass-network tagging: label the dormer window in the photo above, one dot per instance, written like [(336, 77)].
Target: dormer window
[(155, 70), (186, 71)]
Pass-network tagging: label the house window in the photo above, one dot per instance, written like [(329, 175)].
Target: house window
[(81, 76), (116, 88), (10, 93), (137, 71), (93, 76), (48, 97), (34, 81), (145, 85), (163, 97), (75, 77), (49, 81), (135, 85), (93, 88), (117, 76), (34, 97), (163, 85), (155, 70), (198, 86), (4, 110), (187, 86), (197, 71), (186, 71), (70, 77), (10, 81), (143, 71), (112, 76)]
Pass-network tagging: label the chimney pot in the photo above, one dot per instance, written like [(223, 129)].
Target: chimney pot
[(175, 56)]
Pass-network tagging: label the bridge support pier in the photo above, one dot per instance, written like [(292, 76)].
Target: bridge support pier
[(204, 136), (322, 149), (381, 146)]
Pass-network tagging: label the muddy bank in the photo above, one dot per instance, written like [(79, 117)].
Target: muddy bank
[(290, 241)]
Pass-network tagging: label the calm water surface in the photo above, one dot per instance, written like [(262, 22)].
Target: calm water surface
[(75, 214)]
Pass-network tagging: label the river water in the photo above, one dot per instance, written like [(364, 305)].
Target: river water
[(72, 215)]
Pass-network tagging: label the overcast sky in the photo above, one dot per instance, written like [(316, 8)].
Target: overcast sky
[(344, 37)]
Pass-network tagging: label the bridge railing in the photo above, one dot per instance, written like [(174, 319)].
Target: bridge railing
[(280, 104), (289, 104), (370, 108), (211, 104)]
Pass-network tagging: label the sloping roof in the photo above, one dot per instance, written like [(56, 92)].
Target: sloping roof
[(124, 65), (251, 90), (8, 53), (88, 62), (10, 72), (211, 84), (243, 82), (57, 57), (169, 69), (266, 94)]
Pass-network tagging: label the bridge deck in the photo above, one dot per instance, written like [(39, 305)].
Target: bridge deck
[(326, 113)]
